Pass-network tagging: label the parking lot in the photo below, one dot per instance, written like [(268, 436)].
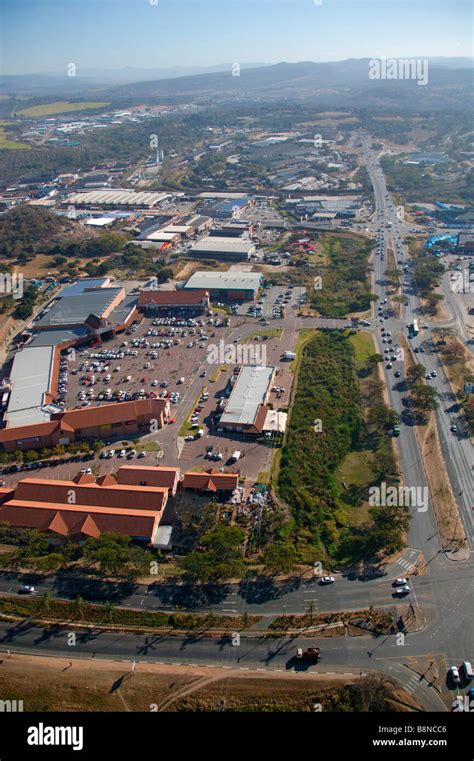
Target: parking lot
[(274, 302), (169, 357)]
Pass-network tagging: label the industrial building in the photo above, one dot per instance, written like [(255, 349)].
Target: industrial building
[(246, 410), (222, 248), (32, 384), (224, 207), (89, 303), (118, 197), (234, 229), (227, 286), (465, 244)]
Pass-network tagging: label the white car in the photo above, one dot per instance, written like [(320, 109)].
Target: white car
[(327, 580), (454, 674), (26, 589), (400, 582), (405, 590), (122, 453)]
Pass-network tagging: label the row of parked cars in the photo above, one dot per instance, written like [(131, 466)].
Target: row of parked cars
[(129, 454), (194, 419), (50, 463)]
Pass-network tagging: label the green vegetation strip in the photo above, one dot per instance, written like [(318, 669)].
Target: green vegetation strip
[(338, 412), (381, 621), (214, 377), (345, 283), (80, 612)]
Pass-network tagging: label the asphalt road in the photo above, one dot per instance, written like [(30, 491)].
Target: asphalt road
[(457, 449)]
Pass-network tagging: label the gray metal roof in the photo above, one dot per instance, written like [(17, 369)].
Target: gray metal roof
[(31, 379), (249, 392), (236, 280), (120, 313), (217, 243), (75, 310), (80, 286), (57, 336)]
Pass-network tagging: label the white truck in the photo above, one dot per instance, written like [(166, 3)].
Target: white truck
[(236, 456)]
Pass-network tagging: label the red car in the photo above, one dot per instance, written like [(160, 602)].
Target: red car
[(172, 420)]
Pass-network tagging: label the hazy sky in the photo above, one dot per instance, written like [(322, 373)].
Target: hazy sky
[(46, 35)]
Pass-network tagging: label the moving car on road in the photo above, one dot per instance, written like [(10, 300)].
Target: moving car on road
[(327, 580), (312, 654)]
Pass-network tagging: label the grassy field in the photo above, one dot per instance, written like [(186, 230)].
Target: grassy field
[(357, 471), (363, 348), (148, 446), (11, 145), (60, 107)]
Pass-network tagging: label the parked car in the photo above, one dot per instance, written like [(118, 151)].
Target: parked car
[(454, 675)]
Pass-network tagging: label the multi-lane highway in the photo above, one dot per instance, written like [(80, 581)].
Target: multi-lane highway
[(457, 448)]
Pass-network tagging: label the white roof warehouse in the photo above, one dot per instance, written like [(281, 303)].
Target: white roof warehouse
[(246, 411)]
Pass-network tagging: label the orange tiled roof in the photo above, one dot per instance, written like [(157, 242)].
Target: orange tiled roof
[(114, 495), (169, 298), (153, 476), (91, 417), (70, 520), (88, 417), (211, 480)]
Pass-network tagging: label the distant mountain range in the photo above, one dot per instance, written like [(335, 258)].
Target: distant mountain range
[(336, 84), (341, 83), (50, 83)]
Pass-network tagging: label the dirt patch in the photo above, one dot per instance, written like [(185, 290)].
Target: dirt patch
[(450, 526), (60, 684)]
